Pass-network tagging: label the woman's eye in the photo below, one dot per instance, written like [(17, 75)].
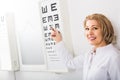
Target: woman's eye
[(95, 28), (86, 28)]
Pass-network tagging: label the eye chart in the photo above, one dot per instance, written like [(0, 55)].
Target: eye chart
[(51, 16)]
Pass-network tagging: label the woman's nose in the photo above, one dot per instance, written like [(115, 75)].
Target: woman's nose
[(90, 31)]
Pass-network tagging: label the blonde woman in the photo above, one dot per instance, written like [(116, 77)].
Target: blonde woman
[(102, 62)]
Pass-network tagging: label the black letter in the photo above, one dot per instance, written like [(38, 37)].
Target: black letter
[(50, 18), (56, 17), (44, 20), (44, 9), (45, 28), (53, 7), (57, 26)]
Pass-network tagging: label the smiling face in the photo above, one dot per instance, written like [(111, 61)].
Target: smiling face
[(93, 33)]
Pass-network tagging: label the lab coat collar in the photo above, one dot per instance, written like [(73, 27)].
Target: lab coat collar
[(98, 50)]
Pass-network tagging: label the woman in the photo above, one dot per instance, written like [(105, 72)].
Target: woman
[(102, 62)]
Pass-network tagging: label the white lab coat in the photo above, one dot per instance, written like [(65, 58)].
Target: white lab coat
[(104, 65)]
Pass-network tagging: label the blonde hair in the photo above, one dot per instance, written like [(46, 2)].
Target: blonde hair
[(105, 24)]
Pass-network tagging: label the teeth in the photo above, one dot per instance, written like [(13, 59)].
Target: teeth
[(92, 38)]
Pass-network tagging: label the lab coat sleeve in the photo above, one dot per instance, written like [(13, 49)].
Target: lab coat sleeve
[(114, 68), (67, 57)]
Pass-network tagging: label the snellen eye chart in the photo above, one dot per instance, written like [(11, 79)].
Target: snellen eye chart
[(54, 13), (50, 17)]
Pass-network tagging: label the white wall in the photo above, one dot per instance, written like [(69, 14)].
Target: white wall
[(27, 18), (79, 9)]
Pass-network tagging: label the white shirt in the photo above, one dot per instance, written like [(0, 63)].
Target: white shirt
[(104, 65)]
